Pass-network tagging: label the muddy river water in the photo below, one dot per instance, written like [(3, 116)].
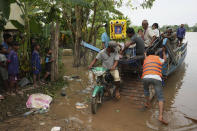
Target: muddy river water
[(180, 105)]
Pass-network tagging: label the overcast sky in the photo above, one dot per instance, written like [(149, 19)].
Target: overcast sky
[(165, 12)]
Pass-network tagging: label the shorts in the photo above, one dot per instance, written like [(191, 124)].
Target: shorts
[(13, 78), (3, 73), (36, 72), (48, 68), (157, 84), (180, 39), (115, 74)]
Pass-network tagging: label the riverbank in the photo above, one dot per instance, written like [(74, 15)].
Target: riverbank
[(63, 111)]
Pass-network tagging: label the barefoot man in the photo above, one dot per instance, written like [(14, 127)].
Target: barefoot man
[(152, 75)]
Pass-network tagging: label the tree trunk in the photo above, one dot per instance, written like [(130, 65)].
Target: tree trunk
[(54, 47), (77, 37), (93, 22)]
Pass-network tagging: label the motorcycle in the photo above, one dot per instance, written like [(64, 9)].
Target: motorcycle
[(104, 84)]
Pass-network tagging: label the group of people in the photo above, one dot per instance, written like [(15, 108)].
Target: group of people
[(10, 65), (152, 64)]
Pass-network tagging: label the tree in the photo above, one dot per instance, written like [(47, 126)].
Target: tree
[(80, 19)]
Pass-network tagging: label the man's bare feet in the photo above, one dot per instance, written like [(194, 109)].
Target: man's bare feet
[(162, 120), (35, 86), (117, 95)]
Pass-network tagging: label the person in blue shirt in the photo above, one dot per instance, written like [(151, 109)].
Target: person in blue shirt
[(105, 37), (180, 33), (48, 62), (6, 43), (13, 68), (36, 66)]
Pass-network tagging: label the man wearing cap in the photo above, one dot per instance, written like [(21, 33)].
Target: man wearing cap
[(109, 57)]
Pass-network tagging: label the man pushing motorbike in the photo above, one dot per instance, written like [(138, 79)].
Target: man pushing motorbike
[(152, 75), (109, 57)]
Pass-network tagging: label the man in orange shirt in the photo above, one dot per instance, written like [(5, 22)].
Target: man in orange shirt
[(152, 75)]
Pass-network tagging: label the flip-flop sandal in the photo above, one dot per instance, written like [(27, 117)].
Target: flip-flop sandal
[(42, 83)]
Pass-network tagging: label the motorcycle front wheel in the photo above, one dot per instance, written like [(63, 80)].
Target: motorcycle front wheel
[(94, 104)]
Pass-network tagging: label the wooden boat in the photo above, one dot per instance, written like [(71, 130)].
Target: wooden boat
[(175, 58), (131, 70)]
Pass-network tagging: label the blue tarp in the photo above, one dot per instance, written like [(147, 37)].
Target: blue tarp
[(90, 46)]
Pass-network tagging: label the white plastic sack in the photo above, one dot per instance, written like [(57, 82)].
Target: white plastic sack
[(39, 101), (56, 128)]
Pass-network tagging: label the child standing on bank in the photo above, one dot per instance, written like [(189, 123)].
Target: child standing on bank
[(48, 61), (3, 70), (36, 66), (13, 68)]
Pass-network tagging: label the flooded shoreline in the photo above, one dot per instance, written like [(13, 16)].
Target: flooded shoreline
[(180, 105)]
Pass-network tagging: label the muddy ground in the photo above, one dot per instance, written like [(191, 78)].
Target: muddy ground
[(63, 112), (113, 115)]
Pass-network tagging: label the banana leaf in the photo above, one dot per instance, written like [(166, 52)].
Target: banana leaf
[(17, 24)]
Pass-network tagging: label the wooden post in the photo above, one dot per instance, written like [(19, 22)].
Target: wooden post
[(54, 47), (78, 36)]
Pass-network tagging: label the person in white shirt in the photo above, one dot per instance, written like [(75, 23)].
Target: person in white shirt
[(149, 36), (155, 29)]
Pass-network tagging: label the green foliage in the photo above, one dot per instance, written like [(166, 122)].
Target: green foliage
[(67, 32), (38, 16), (147, 3), (5, 8), (4, 12), (82, 3), (35, 27), (136, 28), (17, 24), (175, 27), (3, 22)]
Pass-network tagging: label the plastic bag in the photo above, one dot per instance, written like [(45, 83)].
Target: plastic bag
[(39, 101)]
